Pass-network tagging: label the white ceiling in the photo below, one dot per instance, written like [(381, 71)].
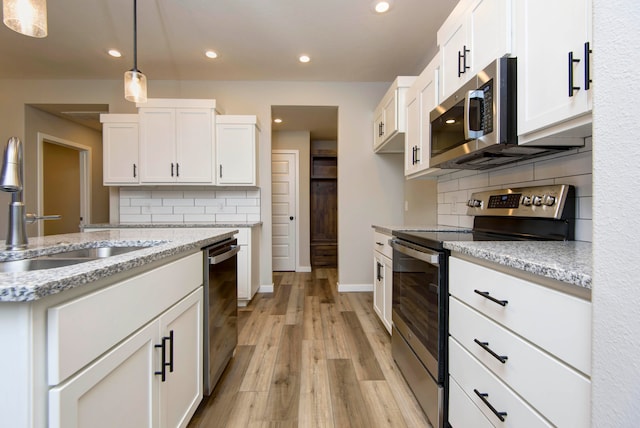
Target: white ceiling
[(255, 40)]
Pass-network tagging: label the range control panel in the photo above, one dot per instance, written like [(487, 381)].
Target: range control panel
[(539, 201)]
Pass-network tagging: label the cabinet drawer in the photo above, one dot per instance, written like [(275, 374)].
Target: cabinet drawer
[(552, 320), (462, 412), (381, 244), (83, 329), (472, 376), (560, 393)]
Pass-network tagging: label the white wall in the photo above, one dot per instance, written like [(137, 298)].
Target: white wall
[(573, 167), (616, 221), (368, 185)]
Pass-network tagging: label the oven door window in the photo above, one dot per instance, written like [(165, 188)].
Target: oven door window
[(416, 299)]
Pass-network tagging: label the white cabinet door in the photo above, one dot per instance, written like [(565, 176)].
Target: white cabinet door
[(194, 146), (181, 392), (118, 390), (547, 32), (388, 292), (244, 267), (453, 48), (378, 123), (412, 138), (120, 149), (236, 148), (157, 145), (378, 285)]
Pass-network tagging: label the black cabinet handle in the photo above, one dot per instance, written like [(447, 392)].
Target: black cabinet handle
[(134, 170), (485, 294), (381, 128), (462, 55), (172, 169), (572, 88), (485, 346), (220, 170), (164, 364), (483, 397), (378, 268), (417, 151), (177, 169), (587, 66)]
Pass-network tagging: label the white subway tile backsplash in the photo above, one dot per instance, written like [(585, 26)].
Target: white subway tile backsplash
[(197, 205), (572, 167)]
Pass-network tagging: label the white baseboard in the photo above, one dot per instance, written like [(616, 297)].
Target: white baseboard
[(355, 288), (303, 269), (266, 288)]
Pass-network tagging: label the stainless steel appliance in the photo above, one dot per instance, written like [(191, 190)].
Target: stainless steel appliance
[(420, 279), (476, 127), (220, 314)]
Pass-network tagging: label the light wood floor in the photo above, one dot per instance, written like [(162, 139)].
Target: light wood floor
[(308, 356)]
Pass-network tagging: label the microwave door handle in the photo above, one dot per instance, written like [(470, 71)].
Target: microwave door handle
[(469, 133)]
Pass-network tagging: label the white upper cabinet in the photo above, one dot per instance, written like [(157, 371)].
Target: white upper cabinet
[(237, 150), (177, 141), (553, 44), (422, 97), (120, 149), (476, 33), (389, 123)]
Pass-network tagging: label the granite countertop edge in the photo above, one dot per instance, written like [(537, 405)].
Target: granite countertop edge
[(419, 228), (170, 225), (37, 284), (568, 262)]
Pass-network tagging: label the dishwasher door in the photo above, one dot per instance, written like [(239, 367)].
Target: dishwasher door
[(220, 315)]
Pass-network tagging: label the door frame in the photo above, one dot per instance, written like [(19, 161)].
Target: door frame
[(296, 155), (85, 175)]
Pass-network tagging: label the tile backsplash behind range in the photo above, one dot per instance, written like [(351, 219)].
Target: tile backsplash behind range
[(572, 167), (180, 205)]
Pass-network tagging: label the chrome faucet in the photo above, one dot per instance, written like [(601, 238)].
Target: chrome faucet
[(12, 181)]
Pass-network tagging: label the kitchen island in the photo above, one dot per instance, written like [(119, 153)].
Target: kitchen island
[(95, 335)]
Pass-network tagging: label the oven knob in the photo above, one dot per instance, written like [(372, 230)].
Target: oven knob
[(537, 201), (526, 201), (548, 200), (474, 203)]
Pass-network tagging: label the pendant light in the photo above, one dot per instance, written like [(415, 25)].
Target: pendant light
[(135, 83), (28, 17)]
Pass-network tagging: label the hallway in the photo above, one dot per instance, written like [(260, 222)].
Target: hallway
[(309, 356)]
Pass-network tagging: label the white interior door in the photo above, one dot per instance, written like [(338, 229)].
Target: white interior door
[(284, 171)]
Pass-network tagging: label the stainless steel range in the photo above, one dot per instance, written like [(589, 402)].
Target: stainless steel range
[(420, 278)]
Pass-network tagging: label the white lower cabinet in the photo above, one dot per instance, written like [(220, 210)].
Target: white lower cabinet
[(524, 344), (248, 264), (382, 278)]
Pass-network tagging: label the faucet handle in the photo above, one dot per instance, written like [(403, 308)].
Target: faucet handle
[(32, 218)]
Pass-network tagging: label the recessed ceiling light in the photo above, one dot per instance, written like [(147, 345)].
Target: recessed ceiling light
[(114, 53), (277, 120), (211, 54), (304, 58), (382, 6), (450, 121)]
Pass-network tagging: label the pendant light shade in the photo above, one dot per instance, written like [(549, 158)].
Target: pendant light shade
[(135, 83), (28, 17)]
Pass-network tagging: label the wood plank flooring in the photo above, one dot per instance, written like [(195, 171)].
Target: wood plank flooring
[(309, 356)]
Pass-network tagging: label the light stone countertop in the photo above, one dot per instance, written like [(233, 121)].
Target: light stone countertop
[(36, 284), (568, 262), (420, 228), (169, 225)]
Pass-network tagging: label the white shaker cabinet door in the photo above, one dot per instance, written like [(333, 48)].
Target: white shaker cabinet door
[(157, 145), (118, 390), (120, 149), (194, 146), (236, 154)]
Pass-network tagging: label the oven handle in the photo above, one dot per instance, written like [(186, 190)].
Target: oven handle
[(219, 258), (424, 254)]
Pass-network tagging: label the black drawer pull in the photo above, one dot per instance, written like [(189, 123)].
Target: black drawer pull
[(572, 88), (483, 397), (485, 294), (485, 346), (587, 66)]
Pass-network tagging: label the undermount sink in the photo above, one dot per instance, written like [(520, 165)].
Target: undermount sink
[(37, 263), (93, 253), (65, 258)]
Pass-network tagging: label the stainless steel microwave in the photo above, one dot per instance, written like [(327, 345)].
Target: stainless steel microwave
[(476, 127)]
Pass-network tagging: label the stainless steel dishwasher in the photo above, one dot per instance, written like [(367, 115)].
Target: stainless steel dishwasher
[(220, 315)]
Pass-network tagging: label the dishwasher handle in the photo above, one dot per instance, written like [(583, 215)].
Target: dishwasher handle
[(219, 258)]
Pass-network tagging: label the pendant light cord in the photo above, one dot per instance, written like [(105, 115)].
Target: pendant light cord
[(135, 35)]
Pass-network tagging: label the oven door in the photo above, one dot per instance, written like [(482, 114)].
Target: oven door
[(419, 303)]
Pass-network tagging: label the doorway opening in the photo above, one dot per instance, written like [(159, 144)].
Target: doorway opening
[(64, 184), (306, 235)]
